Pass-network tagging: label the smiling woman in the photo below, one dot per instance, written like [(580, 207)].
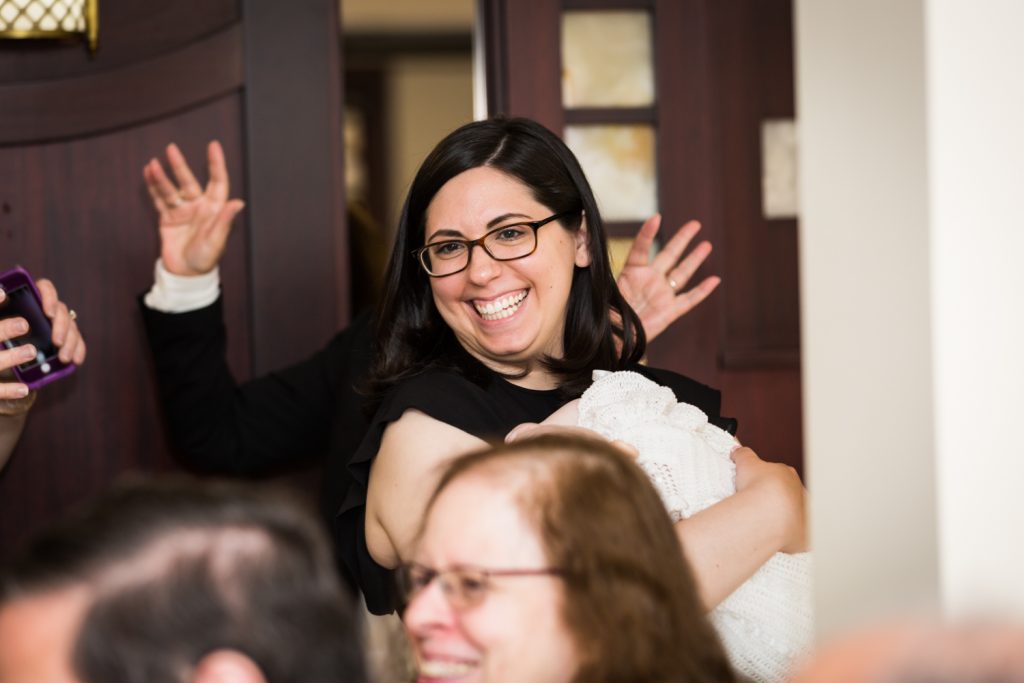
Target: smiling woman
[(567, 570), (476, 335), (510, 312), (488, 175)]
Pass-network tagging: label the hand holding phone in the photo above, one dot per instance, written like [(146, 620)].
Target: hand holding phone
[(39, 338)]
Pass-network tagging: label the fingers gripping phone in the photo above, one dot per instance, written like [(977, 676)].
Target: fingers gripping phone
[(23, 300)]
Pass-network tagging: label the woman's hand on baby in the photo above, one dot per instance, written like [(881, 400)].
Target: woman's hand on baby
[(194, 221), (784, 492), (529, 430), (655, 287)]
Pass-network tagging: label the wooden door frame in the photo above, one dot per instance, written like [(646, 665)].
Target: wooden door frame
[(298, 248)]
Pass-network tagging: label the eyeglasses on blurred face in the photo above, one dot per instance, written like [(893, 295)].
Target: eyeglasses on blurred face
[(464, 587)]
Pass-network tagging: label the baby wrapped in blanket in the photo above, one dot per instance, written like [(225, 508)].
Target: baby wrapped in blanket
[(766, 623)]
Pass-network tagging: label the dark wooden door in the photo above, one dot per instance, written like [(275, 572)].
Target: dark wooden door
[(720, 68), (261, 76)]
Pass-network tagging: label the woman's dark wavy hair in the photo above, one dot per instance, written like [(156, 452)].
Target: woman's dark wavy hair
[(601, 330)]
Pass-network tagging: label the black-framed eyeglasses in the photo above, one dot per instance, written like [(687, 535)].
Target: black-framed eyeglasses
[(507, 243), (464, 587)]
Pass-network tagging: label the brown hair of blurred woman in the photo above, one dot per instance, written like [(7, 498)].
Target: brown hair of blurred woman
[(630, 598)]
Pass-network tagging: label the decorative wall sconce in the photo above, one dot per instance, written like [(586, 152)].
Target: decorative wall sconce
[(50, 19)]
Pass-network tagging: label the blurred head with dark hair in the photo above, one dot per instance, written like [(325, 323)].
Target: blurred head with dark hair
[(179, 581), (552, 560)]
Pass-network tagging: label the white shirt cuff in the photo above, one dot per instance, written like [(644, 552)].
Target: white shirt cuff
[(181, 293)]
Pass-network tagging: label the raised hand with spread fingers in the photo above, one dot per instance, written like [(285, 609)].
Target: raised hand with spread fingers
[(194, 221), (656, 287)]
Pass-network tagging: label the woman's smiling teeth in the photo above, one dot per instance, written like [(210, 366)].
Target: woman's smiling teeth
[(500, 308), (433, 668)]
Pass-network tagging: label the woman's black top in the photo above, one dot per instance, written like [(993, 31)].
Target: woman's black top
[(489, 412)]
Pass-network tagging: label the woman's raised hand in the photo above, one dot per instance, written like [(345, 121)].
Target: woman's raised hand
[(655, 287), (194, 221), (785, 498)]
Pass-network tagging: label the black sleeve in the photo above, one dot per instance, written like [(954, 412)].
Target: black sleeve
[(443, 396), (223, 427)]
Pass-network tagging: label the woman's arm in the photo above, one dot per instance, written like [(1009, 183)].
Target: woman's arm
[(413, 452), (727, 542), (215, 423), (256, 427)]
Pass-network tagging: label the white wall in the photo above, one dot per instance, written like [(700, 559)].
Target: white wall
[(864, 236), (910, 116), (976, 145)]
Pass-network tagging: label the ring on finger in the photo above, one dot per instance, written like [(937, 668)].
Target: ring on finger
[(673, 284), (174, 202), (72, 314)]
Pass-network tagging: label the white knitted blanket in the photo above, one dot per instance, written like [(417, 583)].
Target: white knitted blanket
[(767, 622)]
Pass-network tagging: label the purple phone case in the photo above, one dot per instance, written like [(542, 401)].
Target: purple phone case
[(35, 377)]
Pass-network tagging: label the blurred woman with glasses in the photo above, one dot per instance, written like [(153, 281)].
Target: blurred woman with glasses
[(567, 570)]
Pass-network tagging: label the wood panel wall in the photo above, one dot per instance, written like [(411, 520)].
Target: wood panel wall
[(759, 357), (261, 76)]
